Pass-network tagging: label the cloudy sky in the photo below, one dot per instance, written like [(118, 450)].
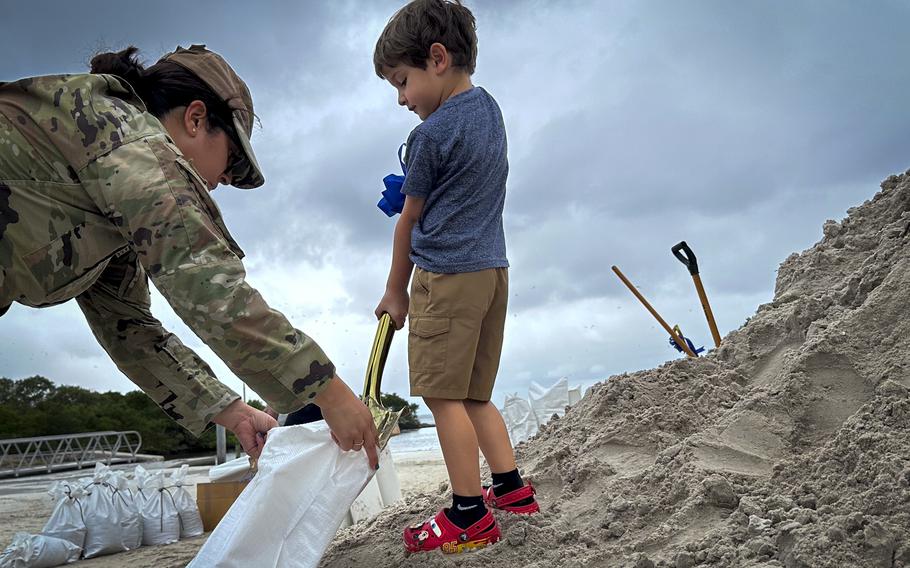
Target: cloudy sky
[(737, 126)]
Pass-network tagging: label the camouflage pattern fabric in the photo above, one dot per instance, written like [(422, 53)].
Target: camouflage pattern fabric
[(95, 199)]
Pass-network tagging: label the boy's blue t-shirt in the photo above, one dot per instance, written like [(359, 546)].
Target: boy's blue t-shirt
[(457, 161)]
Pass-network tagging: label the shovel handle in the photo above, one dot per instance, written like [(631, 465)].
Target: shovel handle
[(688, 258)]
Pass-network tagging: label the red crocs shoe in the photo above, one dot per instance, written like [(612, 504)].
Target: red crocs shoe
[(440, 532), (505, 502)]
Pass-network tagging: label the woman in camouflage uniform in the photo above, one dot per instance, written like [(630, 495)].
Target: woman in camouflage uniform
[(104, 183)]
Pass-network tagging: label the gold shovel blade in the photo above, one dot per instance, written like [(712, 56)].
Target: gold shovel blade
[(385, 419)]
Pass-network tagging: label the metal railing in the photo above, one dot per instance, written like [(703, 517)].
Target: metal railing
[(45, 454)]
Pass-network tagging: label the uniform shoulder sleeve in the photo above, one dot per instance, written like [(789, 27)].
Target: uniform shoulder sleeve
[(163, 209), (117, 308)]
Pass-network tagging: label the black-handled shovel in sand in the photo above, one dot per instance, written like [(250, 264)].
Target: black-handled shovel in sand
[(692, 264)]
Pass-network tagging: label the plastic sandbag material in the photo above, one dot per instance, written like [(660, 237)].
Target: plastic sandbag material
[(381, 491), (124, 500), (545, 402), (141, 476), (38, 551), (234, 470), (66, 521), (368, 504), (190, 520), (519, 418), (103, 534), (387, 478), (160, 520), (291, 510)]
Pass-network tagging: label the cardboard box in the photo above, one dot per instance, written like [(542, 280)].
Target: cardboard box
[(214, 500)]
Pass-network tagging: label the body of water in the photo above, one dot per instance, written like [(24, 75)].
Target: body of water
[(421, 440)]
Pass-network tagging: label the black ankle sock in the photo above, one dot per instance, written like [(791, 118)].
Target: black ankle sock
[(466, 511), (507, 482)]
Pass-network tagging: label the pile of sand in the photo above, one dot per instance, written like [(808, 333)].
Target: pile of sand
[(788, 446)]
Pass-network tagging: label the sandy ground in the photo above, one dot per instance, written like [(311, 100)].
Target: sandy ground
[(25, 507)]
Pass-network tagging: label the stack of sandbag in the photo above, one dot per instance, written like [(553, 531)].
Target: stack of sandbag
[(103, 514)]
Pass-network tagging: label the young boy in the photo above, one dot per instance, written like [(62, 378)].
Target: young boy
[(451, 228)]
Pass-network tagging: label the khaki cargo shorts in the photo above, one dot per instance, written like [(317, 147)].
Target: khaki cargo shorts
[(456, 324)]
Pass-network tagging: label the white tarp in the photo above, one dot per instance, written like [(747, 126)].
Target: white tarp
[(292, 508), (545, 402), (523, 417), (520, 420)]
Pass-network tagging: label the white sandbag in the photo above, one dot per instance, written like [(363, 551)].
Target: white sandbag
[(291, 510), (519, 418), (127, 509), (160, 521), (66, 520), (368, 504), (190, 520), (103, 534), (38, 551), (545, 402), (234, 470), (141, 477), (387, 478), (383, 490)]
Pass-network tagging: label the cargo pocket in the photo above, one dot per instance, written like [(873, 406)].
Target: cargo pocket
[(428, 343)]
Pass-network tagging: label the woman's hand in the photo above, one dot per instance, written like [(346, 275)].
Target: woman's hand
[(349, 419), (249, 425)]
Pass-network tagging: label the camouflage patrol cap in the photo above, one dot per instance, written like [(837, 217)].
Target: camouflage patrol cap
[(215, 72)]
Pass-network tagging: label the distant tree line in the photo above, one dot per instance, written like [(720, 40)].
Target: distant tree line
[(35, 406), (408, 420)]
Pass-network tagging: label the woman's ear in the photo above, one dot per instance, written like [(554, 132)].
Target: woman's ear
[(194, 117), (439, 55)]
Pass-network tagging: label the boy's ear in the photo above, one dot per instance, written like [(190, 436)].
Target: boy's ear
[(439, 55)]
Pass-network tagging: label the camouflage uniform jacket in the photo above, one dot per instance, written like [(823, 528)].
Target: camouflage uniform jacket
[(94, 199)]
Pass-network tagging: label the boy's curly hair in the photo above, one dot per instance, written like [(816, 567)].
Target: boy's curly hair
[(413, 29)]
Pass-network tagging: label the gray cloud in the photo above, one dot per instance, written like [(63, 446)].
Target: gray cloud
[(739, 127)]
